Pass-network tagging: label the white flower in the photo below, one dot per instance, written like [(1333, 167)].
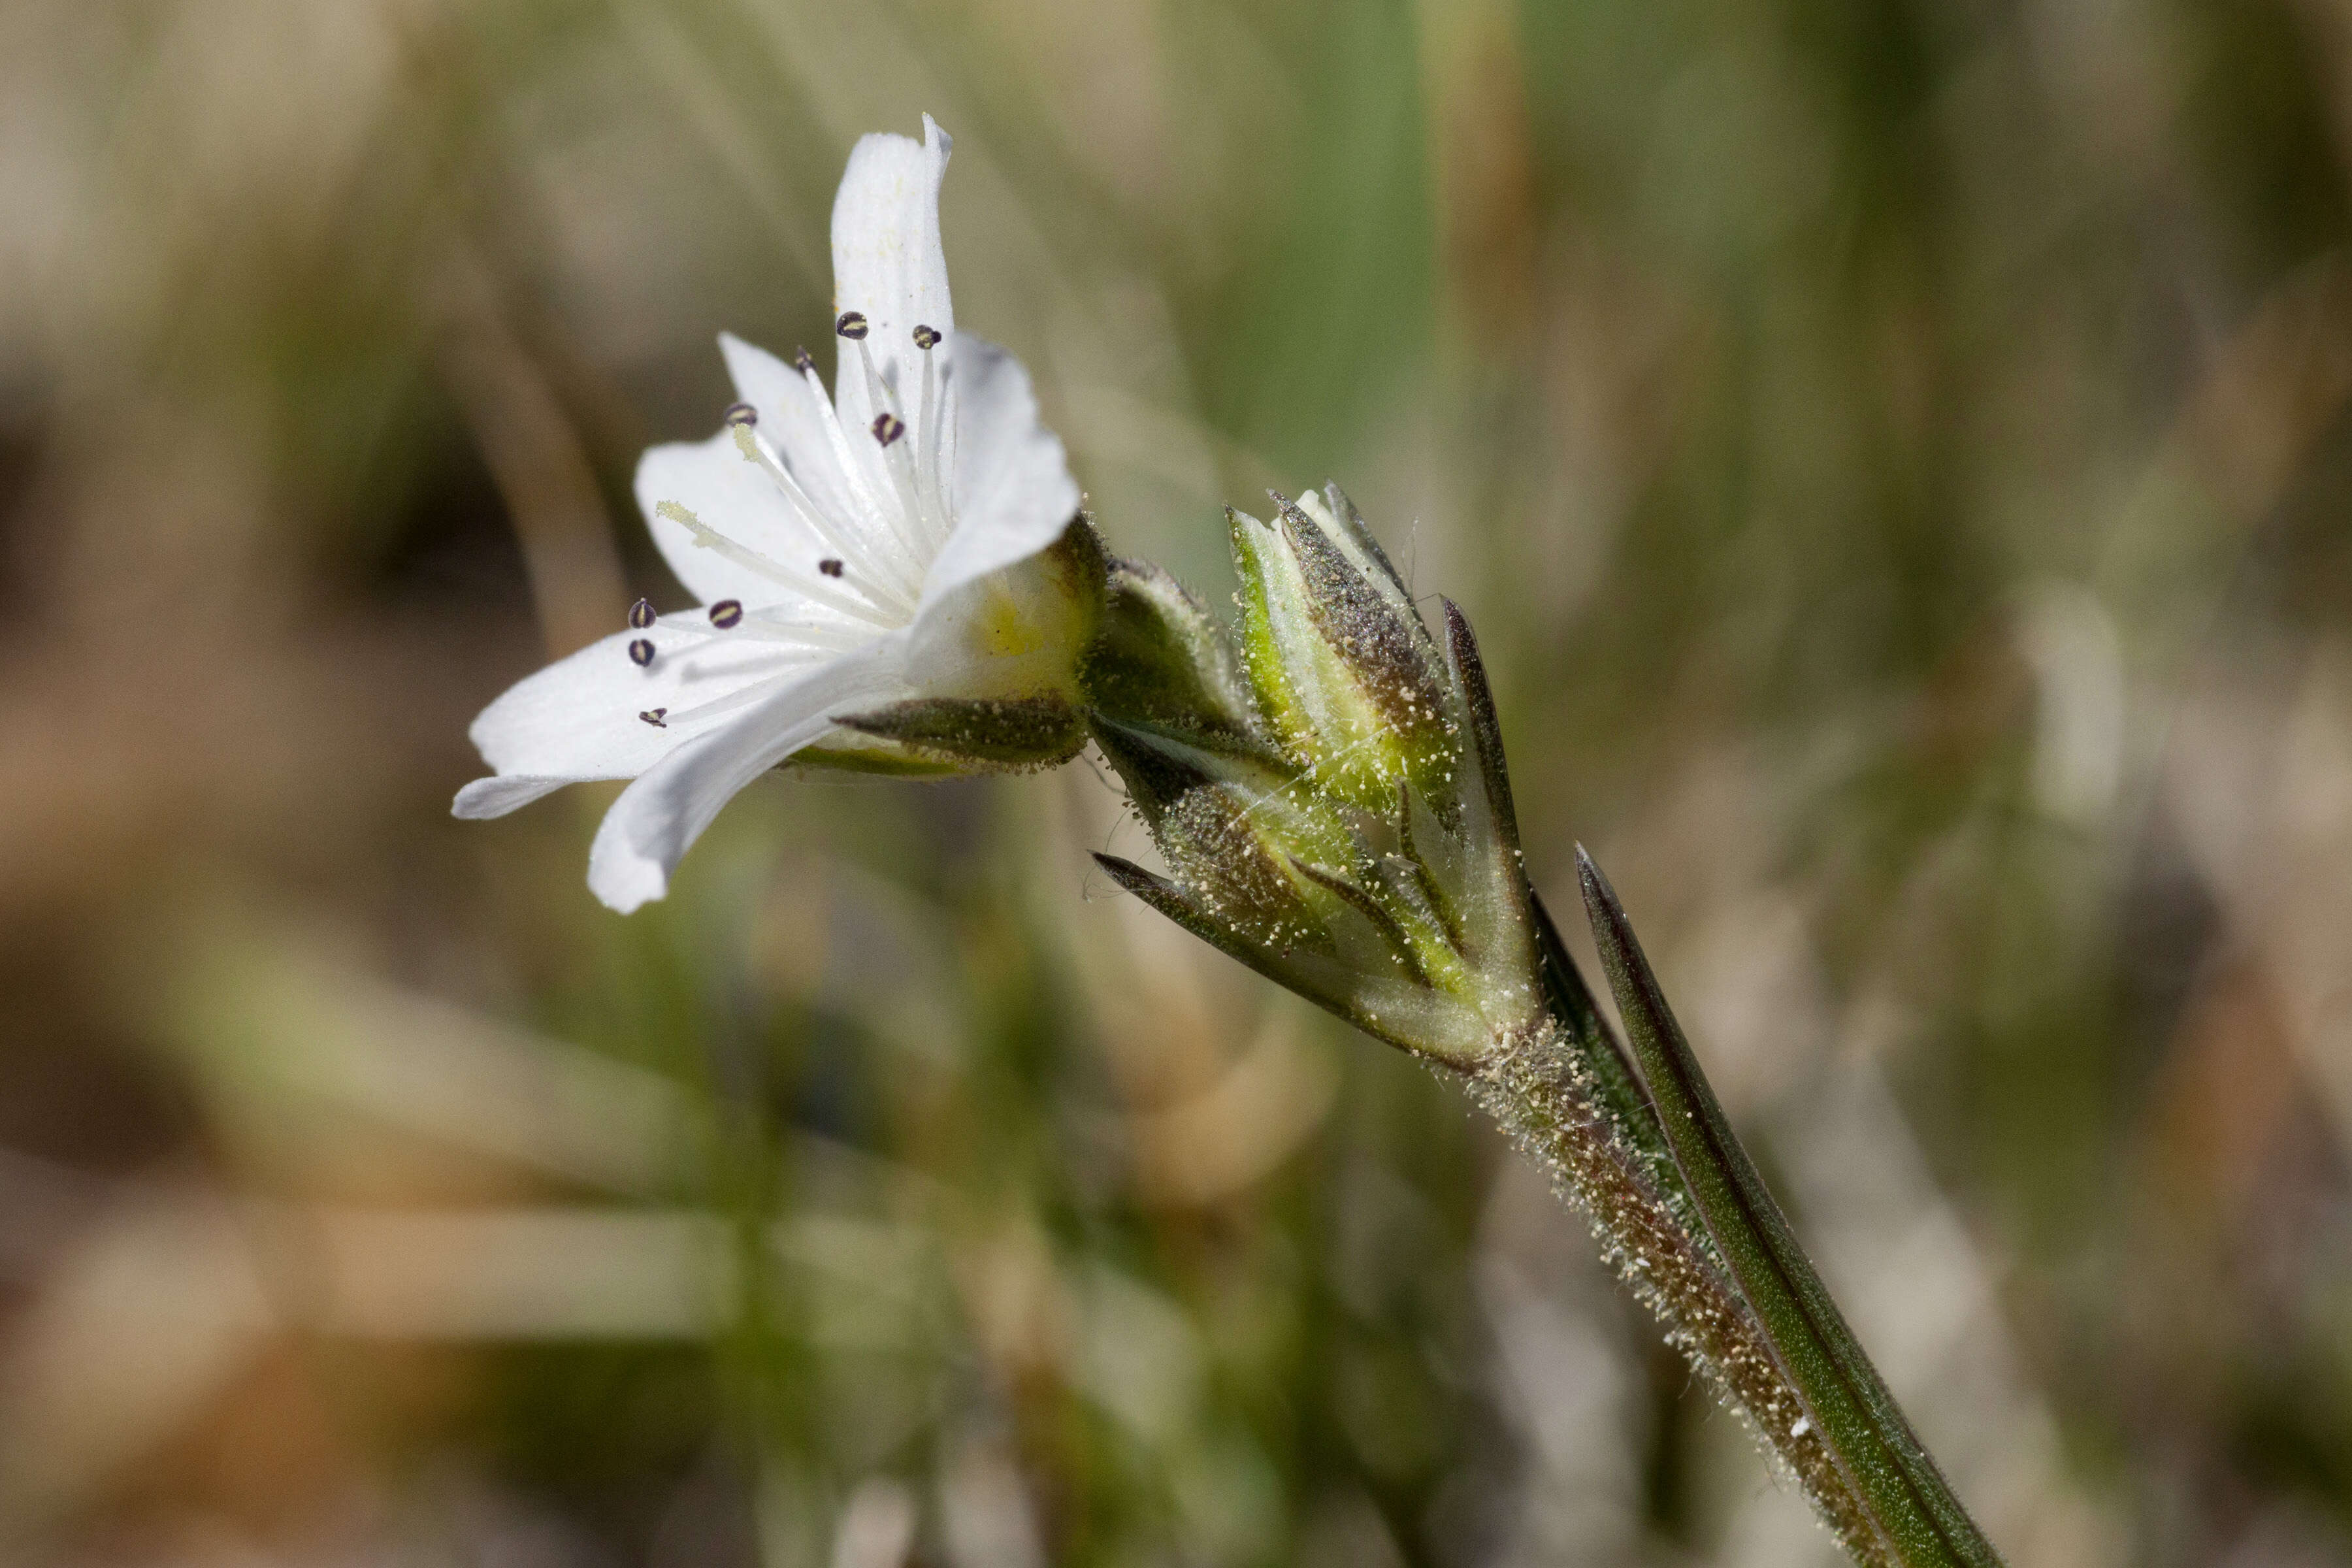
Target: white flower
[(887, 551)]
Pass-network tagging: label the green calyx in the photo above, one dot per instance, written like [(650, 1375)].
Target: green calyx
[(980, 734)]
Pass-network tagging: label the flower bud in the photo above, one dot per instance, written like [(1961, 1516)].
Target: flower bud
[(1331, 806), (1236, 831), (1163, 664), (1342, 669)]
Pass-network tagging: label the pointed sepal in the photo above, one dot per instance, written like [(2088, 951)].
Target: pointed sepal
[(1162, 662), (1388, 1007), (979, 734)]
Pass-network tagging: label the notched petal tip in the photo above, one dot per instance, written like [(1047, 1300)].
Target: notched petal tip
[(938, 139), (626, 881)]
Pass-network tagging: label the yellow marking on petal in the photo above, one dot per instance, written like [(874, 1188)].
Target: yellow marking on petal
[(1003, 630)]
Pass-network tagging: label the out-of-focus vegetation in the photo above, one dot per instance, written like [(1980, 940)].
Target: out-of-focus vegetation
[(1897, 456)]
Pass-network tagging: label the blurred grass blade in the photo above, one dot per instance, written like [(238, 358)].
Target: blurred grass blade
[(1909, 1503)]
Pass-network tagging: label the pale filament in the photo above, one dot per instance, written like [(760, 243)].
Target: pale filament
[(709, 537), (891, 574), (764, 627), (906, 520), (933, 495), (745, 696), (879, 517)]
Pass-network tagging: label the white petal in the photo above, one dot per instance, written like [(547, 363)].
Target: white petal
[(713, 480), (656, 818), (1013, 493), (791, 419), (886, 262), (579, 718)]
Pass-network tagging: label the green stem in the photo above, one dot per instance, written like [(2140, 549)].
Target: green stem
[(1543, 1091)]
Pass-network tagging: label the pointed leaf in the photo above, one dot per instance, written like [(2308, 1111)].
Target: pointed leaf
[(1911, 1505)]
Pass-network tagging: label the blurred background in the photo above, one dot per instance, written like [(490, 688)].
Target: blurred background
[(1898, 456)]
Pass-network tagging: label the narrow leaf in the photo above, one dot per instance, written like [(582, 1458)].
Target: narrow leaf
[(1910, 1504)]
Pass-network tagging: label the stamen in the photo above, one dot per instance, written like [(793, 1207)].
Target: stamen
[(802, 633), (879, 518), (802, 360), (653, 716), (641, 615), (709, 537), (742, 414), (852, 325), (641, 653), (927, 338), (743, 696), (878, 570), (907, 520), (930, 488), (829, 566), (726, 614), (760, 626)]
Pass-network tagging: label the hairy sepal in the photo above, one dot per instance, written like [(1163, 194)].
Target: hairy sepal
[(1009, 734), (1396, 1011), (1162, 663)]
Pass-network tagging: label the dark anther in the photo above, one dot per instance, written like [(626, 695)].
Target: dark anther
[(851, 325), (889, 428), (742, 413), (641, 613), (655, 716), (641, 653), (927, 337), (726, 614), (829, 566), (803, 361)]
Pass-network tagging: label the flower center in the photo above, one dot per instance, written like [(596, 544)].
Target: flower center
[(883, 519)]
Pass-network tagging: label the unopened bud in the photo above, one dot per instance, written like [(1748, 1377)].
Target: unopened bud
[(1162, 663), (1331, 805), (1343, 670)]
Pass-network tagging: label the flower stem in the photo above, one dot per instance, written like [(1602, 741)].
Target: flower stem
[(1546, 1094)]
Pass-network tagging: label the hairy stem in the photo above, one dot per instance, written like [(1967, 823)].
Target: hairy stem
[(1540, 1089)]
